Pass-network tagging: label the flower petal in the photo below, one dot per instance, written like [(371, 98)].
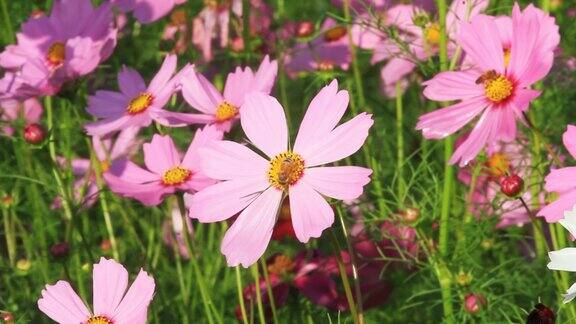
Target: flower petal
[(226, 160), (134, 305), (105, 104), (247, 239), (342, 142), (342, 182), (161, 154), (554, 211), (264, 123), (564, 259), (569, 140), (225, 199), (311, 213), (202, 138), (561, 180), (454, 85), (481, 42), (164, 75), (199, 92), (109, 280), (130, 82), (323, 114), (61, 303)]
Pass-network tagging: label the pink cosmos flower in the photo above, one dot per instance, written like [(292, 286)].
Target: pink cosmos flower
[(107, 151), (167, 170), (223, 109), (324, 53), (561, 181), (215, 15), (136, 104), (69, 43), (497, 88), (147, 11), (177, 30), (112, 303), (11, 110), (421, 40), (254, 186)]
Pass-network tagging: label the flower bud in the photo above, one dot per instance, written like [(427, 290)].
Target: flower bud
[(541, 314), (511, 185), (34, 134), (6, 317), (473, 303), (60, 250), (304, 29), (410, 215)]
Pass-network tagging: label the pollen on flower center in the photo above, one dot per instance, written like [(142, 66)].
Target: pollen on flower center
[(432, 34), (226, 111), (99, 320), (285, 170), (498, 88), (139, 103), (56, 54), (334, 34), (104, 165), (175, 176)]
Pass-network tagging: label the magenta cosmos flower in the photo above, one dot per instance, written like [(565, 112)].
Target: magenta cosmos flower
[(167, 170), (223, 109), (497, 88), (112, 303), (147, 11), (561, 181), (69, 43), (255, 185), (136, 104)]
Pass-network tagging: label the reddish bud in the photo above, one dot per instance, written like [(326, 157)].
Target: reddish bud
[(473, 303), (60, 250), (541, 315), (105, 245), (304, 29), (511, 185), (7, 317), (34, 134), (237, 44)]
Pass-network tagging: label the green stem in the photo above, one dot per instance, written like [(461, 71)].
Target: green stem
[(10, 236), (400, 144), (355, 68), (9, 32), (256, 277), (344, 276), (444, 278), (354, 266), (206, 301), (246, 29), (241, 295), (269, 290)]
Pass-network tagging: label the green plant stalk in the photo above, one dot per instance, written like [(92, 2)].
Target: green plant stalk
[(345, 280), (255, 275), (206, 301), (10, 236), (442, 272), (353, 264), (9, 32), (269, 290), (545, 5), (240, 292), (354, 58), (400, 145)]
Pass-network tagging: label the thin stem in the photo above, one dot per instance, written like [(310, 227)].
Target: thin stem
[(241, 295), (355, 68), (10, 237), (255, 275), (344, 276), (9, 32), (400, 144), (246, 28), (269, 290), (353, 263)]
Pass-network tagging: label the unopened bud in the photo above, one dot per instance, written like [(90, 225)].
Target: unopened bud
[(34, 134), (541, 314), (60, 250), (511, 185), (473, 303), (304, 29)]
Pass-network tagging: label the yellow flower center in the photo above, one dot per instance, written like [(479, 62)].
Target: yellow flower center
[(432, 34), (506, 57), (99, 320), (226, 111), (335, 33), (56, 54), (285, 170), (139, 103), (175, 176), (281, 264), (498, 88), (498, 164), (325, 65)]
